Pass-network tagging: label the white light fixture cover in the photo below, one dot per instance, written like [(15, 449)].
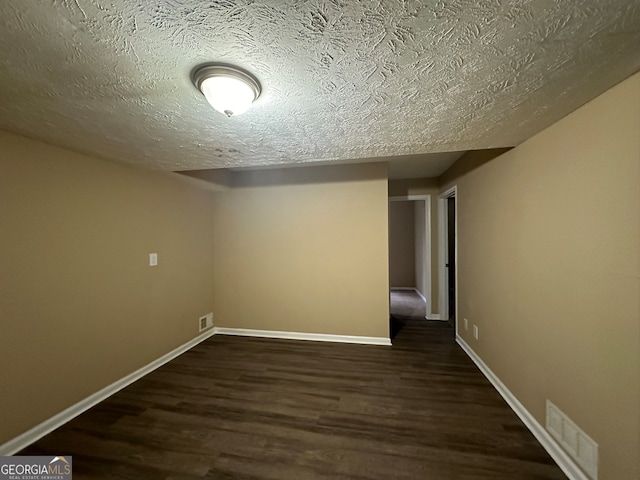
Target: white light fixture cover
[(228, 89)]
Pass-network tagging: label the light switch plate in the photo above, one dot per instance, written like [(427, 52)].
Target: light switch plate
[(153, 259)]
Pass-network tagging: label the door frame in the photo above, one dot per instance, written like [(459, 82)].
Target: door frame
[(427, 248), (443, 254)]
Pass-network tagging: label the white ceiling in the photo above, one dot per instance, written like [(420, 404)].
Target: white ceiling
[(342, 79)]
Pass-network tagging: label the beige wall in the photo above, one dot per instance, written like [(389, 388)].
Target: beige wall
[(79, 305), (216, 180), (549, 269), (466, 163), (304, 250), (402, 258), (413, 186)]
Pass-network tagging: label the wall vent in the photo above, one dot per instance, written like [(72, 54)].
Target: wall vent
[(205, 322), (578, 444)]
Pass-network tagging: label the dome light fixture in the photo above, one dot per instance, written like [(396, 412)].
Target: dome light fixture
[(228, 89)]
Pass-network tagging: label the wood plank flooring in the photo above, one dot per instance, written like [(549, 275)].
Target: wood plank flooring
[(253, 409)]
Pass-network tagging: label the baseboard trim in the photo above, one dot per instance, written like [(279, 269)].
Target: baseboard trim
[(433, 316), (564, 461), (316, 337), (424, 299), (49, 425)]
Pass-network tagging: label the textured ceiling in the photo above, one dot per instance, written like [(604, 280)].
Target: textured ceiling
[(342, 79)]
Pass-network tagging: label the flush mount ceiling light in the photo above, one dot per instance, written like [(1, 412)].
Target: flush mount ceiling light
[(228, 89)]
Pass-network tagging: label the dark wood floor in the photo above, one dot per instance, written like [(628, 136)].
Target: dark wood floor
[(248, 408)]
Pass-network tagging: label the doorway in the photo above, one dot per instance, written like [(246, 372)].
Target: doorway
[(451, 258), (418, 282), (448, 255)]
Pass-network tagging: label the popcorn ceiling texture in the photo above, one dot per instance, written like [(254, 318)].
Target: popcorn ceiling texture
[(342, 79)]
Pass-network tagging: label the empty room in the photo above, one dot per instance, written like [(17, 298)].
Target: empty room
[(320, 239)]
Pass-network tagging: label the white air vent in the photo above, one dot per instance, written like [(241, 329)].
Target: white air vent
[(578, 444), (205, 322)]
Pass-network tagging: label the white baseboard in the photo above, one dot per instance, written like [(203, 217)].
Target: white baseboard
[(424, 299), (564, 461), (42, 429), (316, 337), (433, 316)]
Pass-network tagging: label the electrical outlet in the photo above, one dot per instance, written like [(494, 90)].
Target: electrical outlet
[(466, 324), (153, 259), (205, 322), (475, 332)]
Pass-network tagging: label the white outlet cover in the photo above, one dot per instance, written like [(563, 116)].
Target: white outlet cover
[(475, 332), (153, 259)]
